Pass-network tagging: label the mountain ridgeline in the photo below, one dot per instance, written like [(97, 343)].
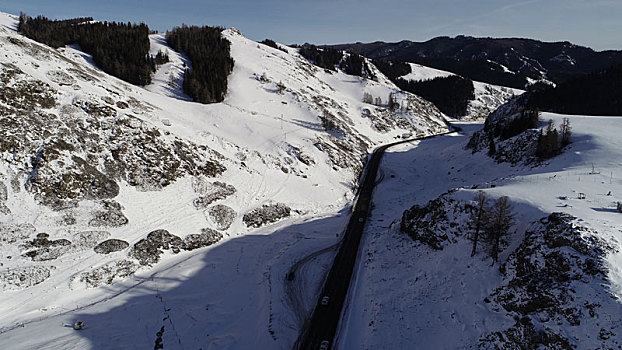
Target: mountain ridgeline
[(507, 62), (119, 49), (211, 61)]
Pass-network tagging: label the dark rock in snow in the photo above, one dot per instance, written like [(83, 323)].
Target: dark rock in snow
[(110, 215), (206, 238), (148, 250), (267, 214), (110, 246), (222, 215)]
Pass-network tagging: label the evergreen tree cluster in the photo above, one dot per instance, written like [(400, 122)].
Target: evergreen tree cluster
[(450, 94), (210, 55), (119, 49), (548, 142), (273, 44), (598, 93), (490, 222), (354, 64), (393, 69), (325, 57), (528, 119)]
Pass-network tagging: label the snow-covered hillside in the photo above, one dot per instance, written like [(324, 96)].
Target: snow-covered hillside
[(558, 282), (487, 97), (110, 193)]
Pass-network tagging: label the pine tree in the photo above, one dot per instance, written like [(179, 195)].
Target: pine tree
[(479, 217), (499, 223), (565, 132)]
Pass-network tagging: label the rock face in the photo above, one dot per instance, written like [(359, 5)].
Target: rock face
[(430, 224), (206, 238), (110, 246), (221, 215), (548, 286), (267, 214)]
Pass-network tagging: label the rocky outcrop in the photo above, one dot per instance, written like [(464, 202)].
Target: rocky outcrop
[(266, 214), (110, 246), (221, 215)]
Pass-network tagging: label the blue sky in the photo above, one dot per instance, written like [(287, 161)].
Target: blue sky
[(593, 23)]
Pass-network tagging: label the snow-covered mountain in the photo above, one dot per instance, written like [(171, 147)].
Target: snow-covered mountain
[(110, 192), (157, 221)]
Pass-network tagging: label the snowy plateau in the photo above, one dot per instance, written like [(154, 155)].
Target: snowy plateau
[(158, 221)]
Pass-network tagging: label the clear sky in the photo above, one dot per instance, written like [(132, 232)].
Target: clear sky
[(593, 23)]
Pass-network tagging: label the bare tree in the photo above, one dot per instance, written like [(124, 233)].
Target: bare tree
[(499, 223), (564, 131), (479, 216), (368, 98)]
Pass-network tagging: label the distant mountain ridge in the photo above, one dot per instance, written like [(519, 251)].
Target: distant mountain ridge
[(510, 62)]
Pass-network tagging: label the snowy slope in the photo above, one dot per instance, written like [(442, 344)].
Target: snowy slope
[(408, 295), (488, 97), (88, 159)]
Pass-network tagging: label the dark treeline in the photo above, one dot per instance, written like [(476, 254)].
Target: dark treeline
[(528, 119), (326, 58), (119, 49), (273, 44), (393, 69), (450, 94), (211, 61), (598, 93), (354, 64)]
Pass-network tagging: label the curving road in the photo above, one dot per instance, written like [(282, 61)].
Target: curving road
[(321, 330)]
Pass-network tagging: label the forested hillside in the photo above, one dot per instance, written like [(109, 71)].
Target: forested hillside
[(598, 93), (119, 49), (211, 61), (450, 94)]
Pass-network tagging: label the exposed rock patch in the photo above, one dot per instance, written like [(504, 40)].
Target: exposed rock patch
[(267, 214), (148, 250), (88, 239), (23, 277), (45, 249), (10, 234), (108, 273), (206, 238), (110, 246), (210, 192), (221, 215), (548, 281), (109, 215)]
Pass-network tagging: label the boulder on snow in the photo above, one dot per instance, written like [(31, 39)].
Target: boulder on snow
[(206, 238), (266, 214), (110, 246), (221, 215), (148, 250)]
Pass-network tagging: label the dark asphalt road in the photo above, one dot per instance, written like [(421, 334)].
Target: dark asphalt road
[(325, 319)]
